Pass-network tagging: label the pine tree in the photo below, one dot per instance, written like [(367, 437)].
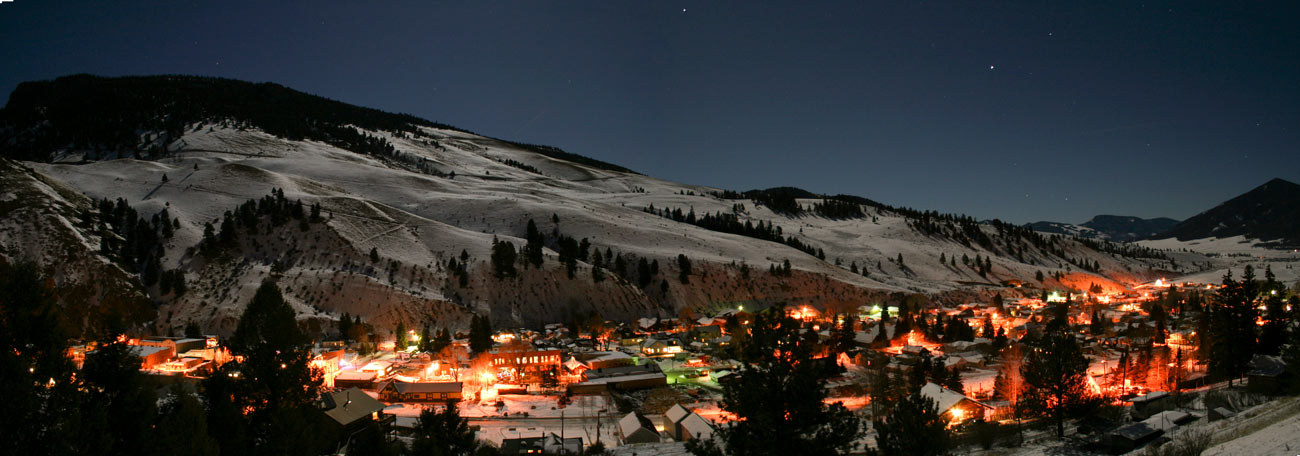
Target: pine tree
[(1056, 377), (914, 427), (533, 245), (275, 389), (120, 407), (181, 427), (683, 268), (400, 340), (779, 399), (192, 330), (503, 259), (443, 433), (1233, 326), (441, 341), (597, 272), (1276, 318), (843, 339), (480, 334)]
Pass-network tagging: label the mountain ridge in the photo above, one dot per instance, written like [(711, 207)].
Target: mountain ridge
[(1268, 213), (412, 214)]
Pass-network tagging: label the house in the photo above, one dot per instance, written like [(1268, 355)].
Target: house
[(419, 392), (359, 379), (1267, 375), (348, 411), (1151, 403), (547, 444), (672, 418), (655, 347), (574, 366), (604, 359), (706, 333), (1133, 436), (958, 406), (619, 378), (152, 355), (526, 362), (636, 428), (695, 427)]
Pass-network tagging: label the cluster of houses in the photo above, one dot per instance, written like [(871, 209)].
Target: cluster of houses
[(657, 352)]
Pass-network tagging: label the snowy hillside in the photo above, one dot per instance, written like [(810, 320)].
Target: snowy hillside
[(441, 192)]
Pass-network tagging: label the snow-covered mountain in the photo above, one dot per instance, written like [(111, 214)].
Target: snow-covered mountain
[(1269, 213), (406, 205), (1117, 228)]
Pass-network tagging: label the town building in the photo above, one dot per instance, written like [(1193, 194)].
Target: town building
[(547, 444), (636, 428), (358, 379), (597, 381), (682, 424), (956, 405), (420, 392), (348, 411)]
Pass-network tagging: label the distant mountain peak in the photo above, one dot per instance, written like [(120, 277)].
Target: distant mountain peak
[(1269, 212), (1122, 228)]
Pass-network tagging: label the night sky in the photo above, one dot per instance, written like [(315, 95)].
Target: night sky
[(1023, 112)]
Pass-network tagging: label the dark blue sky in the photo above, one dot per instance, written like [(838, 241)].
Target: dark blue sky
[(1018, 110)]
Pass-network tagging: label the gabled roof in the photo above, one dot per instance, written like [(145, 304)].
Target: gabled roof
[(347, 406), (676, 413), (944, 398), (697, 426), (634, 422), (1136, 431), (1267, 366)]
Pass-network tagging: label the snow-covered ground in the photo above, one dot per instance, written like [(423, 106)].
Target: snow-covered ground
[(1234, 253), (1281, 438), (418, 221)]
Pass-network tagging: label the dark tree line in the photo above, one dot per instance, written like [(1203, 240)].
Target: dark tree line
[(838, 209), (1230, 333), (730, 223), (136, 243), (521, 165), (258, 216), (107, 114)]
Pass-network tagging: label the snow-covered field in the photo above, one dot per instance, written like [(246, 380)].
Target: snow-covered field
[(1234, 253)]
